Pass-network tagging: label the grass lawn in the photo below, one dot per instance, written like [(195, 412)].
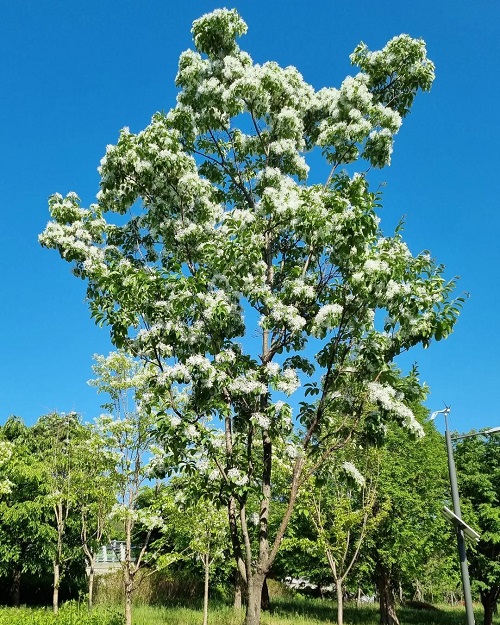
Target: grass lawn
[(295, 611)]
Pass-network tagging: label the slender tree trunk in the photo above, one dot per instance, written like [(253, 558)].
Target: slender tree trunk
[(128, 578), (15, 589), (339, 580), (388, 615), (127, 588), (57, 581), (340, 601), (60, 519), (206, 562), (91, 586)]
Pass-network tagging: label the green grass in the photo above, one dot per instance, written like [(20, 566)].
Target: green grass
[(286, 611), (69, 614)]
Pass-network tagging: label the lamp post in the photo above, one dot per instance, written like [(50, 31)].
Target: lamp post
[(459, 524)]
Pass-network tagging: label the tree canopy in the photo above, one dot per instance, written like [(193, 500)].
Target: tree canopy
[(478, 469)]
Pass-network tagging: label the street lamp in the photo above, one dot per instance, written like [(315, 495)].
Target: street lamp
[(456, 516)]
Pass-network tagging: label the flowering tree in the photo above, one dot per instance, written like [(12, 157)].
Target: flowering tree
[(206, 235)]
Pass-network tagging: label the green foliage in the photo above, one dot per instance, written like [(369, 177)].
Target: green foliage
[(413, 487), (478, 469), (26, 532)]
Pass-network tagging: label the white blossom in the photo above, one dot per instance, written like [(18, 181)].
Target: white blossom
[(237, 477), (386, 397), (288, 382), (351, 470), (328, 317), (261, 420)]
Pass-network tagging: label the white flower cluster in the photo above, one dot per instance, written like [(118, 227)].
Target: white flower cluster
[(288, 382), (214, 475), (260, 420), (157, 461), (294, 451), (375, 265), (175, 421), (284, 380), (178, 373), (149, 519), (225, 356), (6, 449), (352, 117), (353, 472), (388, 399), (327, 318), (201, 368), (254, 519), (235, 476), (247, 385), (283, 315), (279, 194), (191, 432), (300, 290)]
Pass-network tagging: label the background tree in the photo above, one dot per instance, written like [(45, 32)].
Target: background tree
[(478, 469), (128, 432), (341, 505), (413, 486), (94, 487), (196, 527), (25, 530), (60, 441), (206, 231)]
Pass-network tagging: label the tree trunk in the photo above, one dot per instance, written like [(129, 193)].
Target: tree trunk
[(15, 589), (388, 615), (57, 581), (238, 591), (91, 586), (128, 576), (489, 600), (340, 601), (339, 579), (59, 513), (488, 614), (254, 596), (127, 587), (265, 601), (206, 563)]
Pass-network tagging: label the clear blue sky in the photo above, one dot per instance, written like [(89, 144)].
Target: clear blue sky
[(73, 73)]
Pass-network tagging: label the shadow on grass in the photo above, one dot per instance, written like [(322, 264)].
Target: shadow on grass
[(325, 610)]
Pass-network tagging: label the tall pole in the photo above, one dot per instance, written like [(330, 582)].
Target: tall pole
[(462, 554)]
